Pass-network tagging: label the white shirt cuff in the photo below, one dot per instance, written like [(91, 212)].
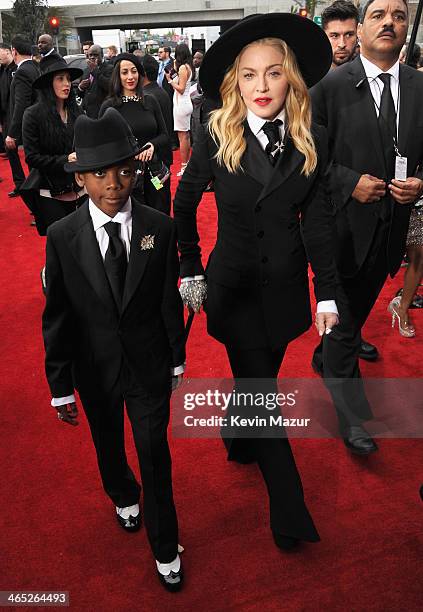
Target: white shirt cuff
[(327, 306), (61, 401), (180, 369), (191, 278)]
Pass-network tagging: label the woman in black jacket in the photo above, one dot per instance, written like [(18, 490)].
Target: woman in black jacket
[(267, 162), (144, 116), (47, 132)]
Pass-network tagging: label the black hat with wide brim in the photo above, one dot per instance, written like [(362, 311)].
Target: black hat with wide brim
[(101, 143), (306, 39), (51, 65)]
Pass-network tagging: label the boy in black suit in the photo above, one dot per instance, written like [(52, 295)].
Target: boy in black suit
[(113, 329)]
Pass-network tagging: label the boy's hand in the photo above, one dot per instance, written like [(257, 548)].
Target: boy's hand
[(68, 413), (325, 321)]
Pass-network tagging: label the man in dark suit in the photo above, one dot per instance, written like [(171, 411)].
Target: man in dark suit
[(94, 86), (21, 96), (150, 86), (372, 112), (7, 67), (340, 22), (113, 329)]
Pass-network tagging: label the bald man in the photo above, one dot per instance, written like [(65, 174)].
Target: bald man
[(45, 45)]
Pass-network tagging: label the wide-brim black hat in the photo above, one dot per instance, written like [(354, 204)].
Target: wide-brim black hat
[(52, 64), (306, 39), (101, 143)]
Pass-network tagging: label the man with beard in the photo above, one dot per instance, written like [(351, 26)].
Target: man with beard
[(340, 22), (372, 111)]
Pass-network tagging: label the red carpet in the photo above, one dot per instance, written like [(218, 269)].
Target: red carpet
[(58, 529)]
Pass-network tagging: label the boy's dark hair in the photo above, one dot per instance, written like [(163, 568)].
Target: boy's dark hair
[(369, 2), (167, 50), (87, 42), (340, 10), (22, 45), (4, 46), (151, 67)]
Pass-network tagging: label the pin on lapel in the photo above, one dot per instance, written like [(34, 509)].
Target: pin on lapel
[(147, 242), (279, 148)]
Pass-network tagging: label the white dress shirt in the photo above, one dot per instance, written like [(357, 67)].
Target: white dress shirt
[(99, 219), (376, 85)]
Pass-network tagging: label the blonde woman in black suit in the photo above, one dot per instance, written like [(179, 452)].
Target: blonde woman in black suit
[(266, 160)]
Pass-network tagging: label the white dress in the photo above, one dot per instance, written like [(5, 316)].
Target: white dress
[(182, 106)]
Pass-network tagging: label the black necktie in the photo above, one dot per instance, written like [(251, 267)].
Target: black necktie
[(271, 129), (115, 261), (388, 124)]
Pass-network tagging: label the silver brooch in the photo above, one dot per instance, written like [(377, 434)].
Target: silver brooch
[(147, 242)]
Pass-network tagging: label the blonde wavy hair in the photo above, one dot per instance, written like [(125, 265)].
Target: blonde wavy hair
[(226, 123)]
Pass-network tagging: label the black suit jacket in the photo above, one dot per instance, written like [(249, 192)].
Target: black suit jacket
[(96, 93), (343, 103), (21, 96), (271, 219), (5, 82), (86, 339)]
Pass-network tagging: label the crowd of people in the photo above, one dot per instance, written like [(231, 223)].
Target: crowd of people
[(312, 142), (162, 118)]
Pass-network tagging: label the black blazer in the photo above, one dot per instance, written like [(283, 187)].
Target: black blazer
[(45, 152), (343, 103), (93, 97), (86, 340), (269, 221), (21, 96), (5, 83)]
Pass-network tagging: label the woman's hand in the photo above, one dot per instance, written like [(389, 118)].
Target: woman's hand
[(193, 294), (325, 321), (146, 155), (72, 157)]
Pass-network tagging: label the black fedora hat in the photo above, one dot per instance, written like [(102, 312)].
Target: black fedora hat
[(101, 143), (306, 39), (52, 64)]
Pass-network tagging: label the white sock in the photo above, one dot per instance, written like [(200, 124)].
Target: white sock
[(166, 568), (128, 511)]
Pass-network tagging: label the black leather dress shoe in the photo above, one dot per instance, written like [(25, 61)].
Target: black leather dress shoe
[(131, 524), (368, 351), (172, 582), (285, 543), (13, 194), (358, 441)]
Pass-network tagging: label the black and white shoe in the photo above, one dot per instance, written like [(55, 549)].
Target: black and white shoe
[(171, 575), (129, 518)]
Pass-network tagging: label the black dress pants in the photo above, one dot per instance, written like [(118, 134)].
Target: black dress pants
[(16, 167), (288, 512), (336, 357), (149, 418)]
